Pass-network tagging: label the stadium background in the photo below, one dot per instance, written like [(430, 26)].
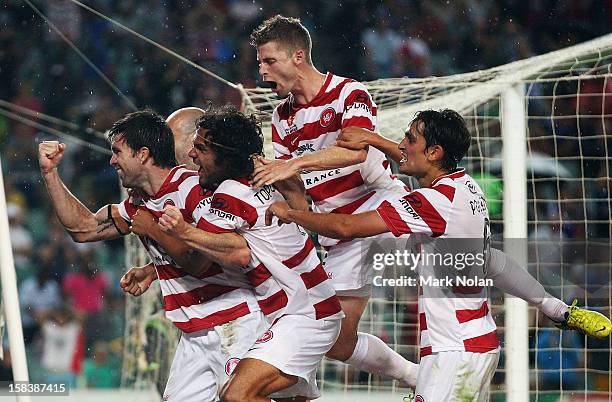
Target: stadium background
[(364, 40)]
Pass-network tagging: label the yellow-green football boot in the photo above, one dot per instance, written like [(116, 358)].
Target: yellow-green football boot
[(588, 322)]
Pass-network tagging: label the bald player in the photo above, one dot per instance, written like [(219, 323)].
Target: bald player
[(183, 124)]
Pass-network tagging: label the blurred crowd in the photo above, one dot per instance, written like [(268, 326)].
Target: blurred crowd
[(71, 304)]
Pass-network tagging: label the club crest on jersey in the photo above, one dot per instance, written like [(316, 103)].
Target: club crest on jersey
[(231, 364), (168, 202), (327, 117), (419, 398), (265, 337)]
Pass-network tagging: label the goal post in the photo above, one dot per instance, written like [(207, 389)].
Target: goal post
[(10, 297), (514, 138)]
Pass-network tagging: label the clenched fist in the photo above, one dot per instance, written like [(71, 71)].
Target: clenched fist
[(137, 280), (50, 154), (172, 222)]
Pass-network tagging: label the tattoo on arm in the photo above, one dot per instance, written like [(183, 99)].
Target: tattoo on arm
[(105, 224)]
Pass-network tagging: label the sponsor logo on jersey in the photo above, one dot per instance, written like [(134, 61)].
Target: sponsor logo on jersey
[(292, 129), (327, 117), (204, 203), (231, 364), (471, 187), (414, 200), (219, 203), (305, 148), (265, 337), (359, 105), (409, 209), (311, 181)]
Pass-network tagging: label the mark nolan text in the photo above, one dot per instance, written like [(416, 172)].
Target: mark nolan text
[(432, 281)]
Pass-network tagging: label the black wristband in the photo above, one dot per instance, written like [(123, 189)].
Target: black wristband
[(110, 216)]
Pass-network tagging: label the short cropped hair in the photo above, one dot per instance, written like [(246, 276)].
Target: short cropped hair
[(287, 32), (447, 129), (146, 128), (234, 137)]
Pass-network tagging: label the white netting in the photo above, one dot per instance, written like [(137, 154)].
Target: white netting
[(568, 96)]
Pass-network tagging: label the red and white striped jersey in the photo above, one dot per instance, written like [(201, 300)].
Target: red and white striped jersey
[(284, 270), (454, 207), (219, 295), (300, 129)]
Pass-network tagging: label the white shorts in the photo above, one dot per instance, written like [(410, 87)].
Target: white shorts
[(344, 266), (455, 376), (296, 344), (204, 359)]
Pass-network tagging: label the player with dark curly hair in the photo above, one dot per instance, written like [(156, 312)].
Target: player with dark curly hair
[(291, 286), (223, 132)]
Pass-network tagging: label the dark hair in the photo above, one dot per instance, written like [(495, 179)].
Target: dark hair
[(234, 137), (447, 129), (146, 128), (286, 31)]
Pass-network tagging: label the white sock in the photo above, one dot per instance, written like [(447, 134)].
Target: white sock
[(374, 356), (513, 279)]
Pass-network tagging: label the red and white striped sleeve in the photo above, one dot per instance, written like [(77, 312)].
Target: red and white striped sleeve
[(228, 211), (127, 209), (358, 108), (423, 211)]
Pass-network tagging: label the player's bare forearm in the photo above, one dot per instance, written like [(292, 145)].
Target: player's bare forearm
[(190, 260), (82, 224), (294, 192), (339, 226), (223, 248), (388, 147), (359, 138), (329, 158)]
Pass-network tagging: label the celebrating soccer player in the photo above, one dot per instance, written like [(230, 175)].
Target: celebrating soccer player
[(213, 305), (304, 128), (290, 284), (458, 332)]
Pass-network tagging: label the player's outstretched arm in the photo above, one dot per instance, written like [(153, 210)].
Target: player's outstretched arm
[(144, 224), (336, 226), (137, 280), (82, 224), (357, 138), (330, 158), (223, 248)]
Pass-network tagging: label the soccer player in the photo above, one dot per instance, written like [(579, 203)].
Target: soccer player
[(290, 283), (212, 305), (458, 333), (304, 128)]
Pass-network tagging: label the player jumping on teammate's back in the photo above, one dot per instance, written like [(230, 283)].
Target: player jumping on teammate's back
[(305, 126)]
